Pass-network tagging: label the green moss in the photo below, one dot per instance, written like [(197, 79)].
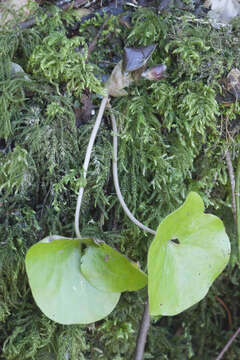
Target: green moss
[(172, 139), (57, 60)]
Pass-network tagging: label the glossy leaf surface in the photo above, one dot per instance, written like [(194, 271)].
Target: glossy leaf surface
[(58, 287), (188, 252), (108, 270)]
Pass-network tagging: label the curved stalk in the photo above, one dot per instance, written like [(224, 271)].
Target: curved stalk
[(86, 161), (116, 182)]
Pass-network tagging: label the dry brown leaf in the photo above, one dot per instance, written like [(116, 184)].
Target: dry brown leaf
[(118, 81)]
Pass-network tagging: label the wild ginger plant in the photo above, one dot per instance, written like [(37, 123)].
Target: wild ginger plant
[(79, 280)]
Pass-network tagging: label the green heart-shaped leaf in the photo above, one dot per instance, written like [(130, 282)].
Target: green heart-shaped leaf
[(189, 251), (108, 270), (58, 287)]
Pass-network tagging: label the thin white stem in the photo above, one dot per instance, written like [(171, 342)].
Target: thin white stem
[(116, 182), (86, 161)]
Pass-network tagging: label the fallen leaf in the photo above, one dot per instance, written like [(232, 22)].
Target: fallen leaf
[(118, 81)]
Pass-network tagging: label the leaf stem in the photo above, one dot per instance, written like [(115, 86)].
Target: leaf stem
[(116, 182), (142, 334), (86, 161)]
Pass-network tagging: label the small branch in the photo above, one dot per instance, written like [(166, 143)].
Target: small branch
[(229, 343), (94, 42), (232, 181), (110, 9), (86, 161), (142, 334), (237, 196), (116, 182)]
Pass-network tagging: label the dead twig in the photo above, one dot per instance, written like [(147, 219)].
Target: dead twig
[(237, 195), (94, 42), (228, 344), (232, 181), (110, 9)]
